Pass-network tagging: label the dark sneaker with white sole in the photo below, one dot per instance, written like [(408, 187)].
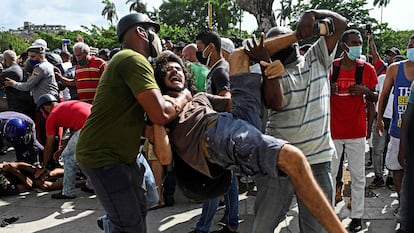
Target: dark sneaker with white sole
[(377, 183), (355, 225)]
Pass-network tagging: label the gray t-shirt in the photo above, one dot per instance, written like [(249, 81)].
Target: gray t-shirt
[(42, 81), (305, 118)]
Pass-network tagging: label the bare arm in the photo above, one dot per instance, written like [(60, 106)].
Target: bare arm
[(307, 21), (12, 169), (47, 154), (157, 135), (66, 81), (160, 111), (373, 48), (271, 89), (386, 89)]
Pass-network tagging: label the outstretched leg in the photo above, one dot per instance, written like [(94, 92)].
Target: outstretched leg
[(292, 161)]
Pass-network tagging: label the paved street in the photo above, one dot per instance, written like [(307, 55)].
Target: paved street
[(37, 212)]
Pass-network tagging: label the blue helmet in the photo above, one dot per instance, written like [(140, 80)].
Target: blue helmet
[(15, 129)]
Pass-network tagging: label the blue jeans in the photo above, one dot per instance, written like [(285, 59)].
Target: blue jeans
[(119, 189), (274, 196), (231, 214), (70, 166)]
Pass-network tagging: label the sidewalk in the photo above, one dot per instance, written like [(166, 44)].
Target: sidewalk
[(37, 212)]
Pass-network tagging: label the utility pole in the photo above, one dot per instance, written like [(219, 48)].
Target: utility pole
[(210, 15)]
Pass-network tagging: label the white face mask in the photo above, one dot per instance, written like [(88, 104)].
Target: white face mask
[(208, 56)]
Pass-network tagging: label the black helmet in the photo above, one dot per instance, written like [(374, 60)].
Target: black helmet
[(44, 99), (133, 19)]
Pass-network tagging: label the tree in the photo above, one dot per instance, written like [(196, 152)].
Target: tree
[(138, 6), (262, 10), (381, 3), (193, 15), (109, 11), (353, 10), (10, 41), (285, 11)]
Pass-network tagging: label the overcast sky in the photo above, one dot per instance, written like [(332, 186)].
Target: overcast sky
[(75, 13)]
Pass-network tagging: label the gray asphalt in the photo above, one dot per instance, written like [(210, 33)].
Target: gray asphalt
[(37, 212)]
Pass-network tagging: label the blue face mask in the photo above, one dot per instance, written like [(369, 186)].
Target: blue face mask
[(410, 54), (354, 52), (33, 62)]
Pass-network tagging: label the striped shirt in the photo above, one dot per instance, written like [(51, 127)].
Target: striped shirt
[(305, 118), (87, 78)]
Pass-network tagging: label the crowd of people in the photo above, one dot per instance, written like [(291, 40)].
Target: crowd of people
[(206, 115)]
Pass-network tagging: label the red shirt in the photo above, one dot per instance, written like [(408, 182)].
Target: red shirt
[(378, 65), (348, 113), (69, 114), (87, 78)]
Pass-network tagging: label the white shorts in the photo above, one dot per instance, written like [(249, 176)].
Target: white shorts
[(391, 160)]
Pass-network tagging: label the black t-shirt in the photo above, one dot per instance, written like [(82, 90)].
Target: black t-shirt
[(218, 78)]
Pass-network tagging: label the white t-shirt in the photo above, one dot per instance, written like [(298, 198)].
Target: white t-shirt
[(388, 108)]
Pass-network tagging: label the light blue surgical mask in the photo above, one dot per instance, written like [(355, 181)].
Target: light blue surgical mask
[(410, 54), (354, 52)]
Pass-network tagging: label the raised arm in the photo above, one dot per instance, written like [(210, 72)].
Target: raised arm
[(305, 28)]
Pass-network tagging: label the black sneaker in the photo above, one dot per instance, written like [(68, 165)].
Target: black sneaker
[(222, 221), (99, 221), (60, 195), (87, 190), (355, 225), (376, 183), (225, 230), (389, 182)]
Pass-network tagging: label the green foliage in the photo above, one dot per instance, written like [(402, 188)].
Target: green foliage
[(10, 41), (137, 6), (192, 15), (95, 36), (353, 10), (183, 19), (388, 38)]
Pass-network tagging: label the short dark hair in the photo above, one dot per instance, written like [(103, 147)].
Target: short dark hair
[(208, 36), (345, 35)]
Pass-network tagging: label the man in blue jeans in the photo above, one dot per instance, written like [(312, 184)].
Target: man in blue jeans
[(210, 45), (206, 130)]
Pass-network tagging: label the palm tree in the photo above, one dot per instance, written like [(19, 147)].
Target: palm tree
[(284, 12), (109, 11), (382, 4), (137, 5)]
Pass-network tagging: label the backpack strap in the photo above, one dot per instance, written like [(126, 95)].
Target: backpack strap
[(335, 70), (383, 66), (358, 71)]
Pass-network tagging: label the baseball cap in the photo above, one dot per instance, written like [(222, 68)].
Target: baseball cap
[(40, 43), (393, 50), (227, 45)]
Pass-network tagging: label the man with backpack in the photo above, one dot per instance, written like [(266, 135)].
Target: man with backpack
[(352, 85)]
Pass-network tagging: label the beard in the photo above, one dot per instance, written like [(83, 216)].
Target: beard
[(174, 89)]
